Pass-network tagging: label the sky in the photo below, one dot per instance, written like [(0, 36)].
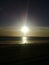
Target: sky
[(13, 12)]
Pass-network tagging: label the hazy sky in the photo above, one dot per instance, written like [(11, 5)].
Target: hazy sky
[(13, 11)]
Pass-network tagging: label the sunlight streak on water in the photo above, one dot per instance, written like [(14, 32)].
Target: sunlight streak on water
[(24, 40)]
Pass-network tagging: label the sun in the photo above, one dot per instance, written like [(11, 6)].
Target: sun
[(24, 29)]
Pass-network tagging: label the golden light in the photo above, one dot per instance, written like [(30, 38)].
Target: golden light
[(24, 29), (24, 39)]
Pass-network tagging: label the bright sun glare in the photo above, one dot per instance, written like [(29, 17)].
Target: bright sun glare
[(24, 29)]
